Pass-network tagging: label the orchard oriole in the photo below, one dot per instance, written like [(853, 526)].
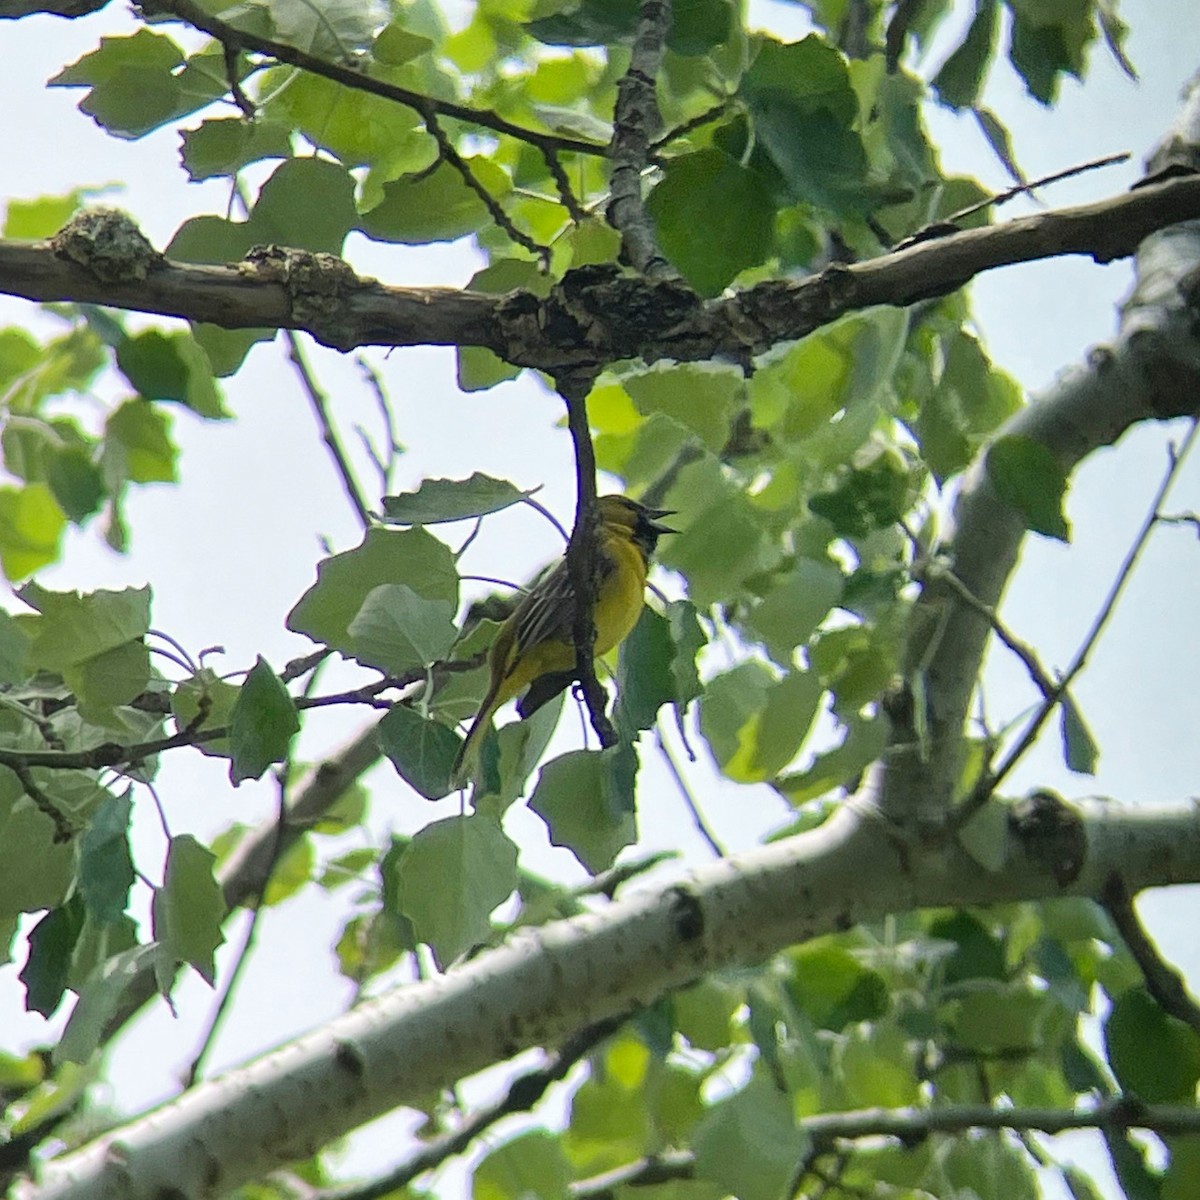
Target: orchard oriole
[(535, 647)]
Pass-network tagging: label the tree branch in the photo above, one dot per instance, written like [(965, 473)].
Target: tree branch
[(535, 991), (240, 39), (1152, 372), (581, 552), (636, 121), (591, 317)]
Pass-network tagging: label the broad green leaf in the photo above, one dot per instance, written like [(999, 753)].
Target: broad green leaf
[(530, 1166), (105, 863), (412, 557), (31, 527), (839, 767), (396, 630), (170, 366), (35, 219), (977, 954), (334, 28), (439, 500), (644, 676), (261, 724), (702, 397), (713, 217), (992, 1168), (422, 750), (703, 1013), (749, 1144), (51, 944), (833, 988), (1026, 474), (224, 145), (435, 206), (99, 999), (293, 869), (138, 446), (795, 606), (1080, 751), (395, 45), (996, 1017), (108, 680), (307, 203), (76, 482), (877, 1066), (1048, 41), (960, 80), (189, 908), (216, 696), (15, 646), (73, 628), (583, 798), (452, 875), (1154, 1055)]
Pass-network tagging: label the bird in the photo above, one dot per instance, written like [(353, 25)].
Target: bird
[(535, 647)]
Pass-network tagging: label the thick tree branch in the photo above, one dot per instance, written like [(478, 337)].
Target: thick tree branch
[(1150, 373), (543, 985), (636, 122), (593, 316)]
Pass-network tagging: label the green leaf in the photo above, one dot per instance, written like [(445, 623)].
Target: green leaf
[(994, 1018), (438, 500), (961, 77), (15, 646), (36, 219), (171, 366), (530, 1166), (412, 557), (395, 45), (795, 606), (35, 869), (291, 871), (76, 482), (217, 696), (74, 628), (877, 1066), (977, 953), (99, 999), (1027, 475), (422, 750), (644, 674), (138, 446), (1080, 752), (51, 944), (586, 801), (702, 397), (839, 767), (1049, 41), (1154, 1055), (713, 217), (223, 146), (832, 988), (749, 1144), (261, 725), (435, 206), (108, 680), (189, 908), (105, 863), (397, 630), (31, 527), (452, 875), (307, 203)]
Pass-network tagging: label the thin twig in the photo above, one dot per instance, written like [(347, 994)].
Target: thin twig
[(1022, 649), (563, 183), (688, 799), (1163, 981), (539, 507), (991, 780), (231, 54), (523, 1093), (1022, 188), (581, 553), (384, 465), (449, 154), (228, 35), (64, 831), (697, 122), (320, 407), (635, 121)]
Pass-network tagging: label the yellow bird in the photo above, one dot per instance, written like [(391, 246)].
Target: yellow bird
[(535, 647)]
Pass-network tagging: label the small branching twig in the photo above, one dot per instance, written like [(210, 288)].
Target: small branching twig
[(320, 407), (991, 780), (1163, 981), (64, 831), (581, 553), (563, 183), (449, 154), (523, 1093), (707, 117), (689, 800), (635, 121)]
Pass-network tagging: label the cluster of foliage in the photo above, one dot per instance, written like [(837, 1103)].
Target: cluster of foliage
[(805, 491)]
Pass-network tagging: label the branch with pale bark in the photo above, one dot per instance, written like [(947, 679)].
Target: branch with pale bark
[(539, 988)]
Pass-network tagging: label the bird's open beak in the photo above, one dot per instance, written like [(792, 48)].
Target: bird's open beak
[(653, 515)]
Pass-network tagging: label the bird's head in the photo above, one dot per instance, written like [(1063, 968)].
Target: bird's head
[(638, 521)]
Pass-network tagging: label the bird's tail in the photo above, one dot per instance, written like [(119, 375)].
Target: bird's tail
[(468, 753)]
